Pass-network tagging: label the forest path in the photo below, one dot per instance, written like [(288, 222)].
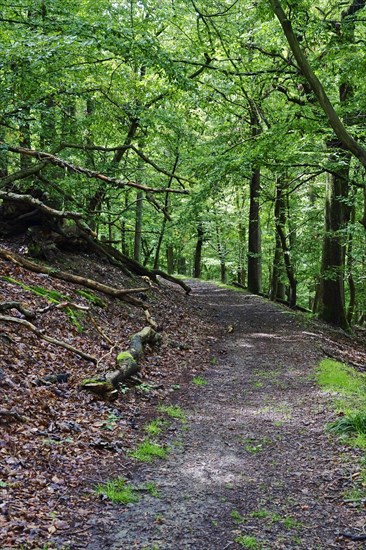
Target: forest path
[(252, 468)]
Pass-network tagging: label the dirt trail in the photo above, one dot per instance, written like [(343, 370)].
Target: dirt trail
[(253, 460)]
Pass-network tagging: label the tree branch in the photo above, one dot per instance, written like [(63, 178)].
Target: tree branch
[(122, 294), (144, 157), (62, 163), (40, 333), (335, 122)]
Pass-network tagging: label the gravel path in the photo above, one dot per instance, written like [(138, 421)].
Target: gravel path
[(252, 468)]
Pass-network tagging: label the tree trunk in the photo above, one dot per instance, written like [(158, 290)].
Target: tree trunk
[(48, 134), (254, 238), (331, 296), (221, 250), (170, 258), (351, 282), (182, 265), (166, 210), (241, 273), (198, 251), (278, 289), (25, 139), (254, 230), (3, 157), (280, 222), (138, 227), (241, 270)]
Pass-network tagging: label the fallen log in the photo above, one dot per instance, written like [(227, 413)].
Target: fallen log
[(40, 333), (122, 294), (141, 270), (172, 279), (127, 365)]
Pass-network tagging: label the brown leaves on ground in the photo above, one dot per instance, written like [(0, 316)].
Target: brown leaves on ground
[(59, 441)]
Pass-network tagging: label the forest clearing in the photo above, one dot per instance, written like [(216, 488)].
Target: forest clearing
[(182, 274)]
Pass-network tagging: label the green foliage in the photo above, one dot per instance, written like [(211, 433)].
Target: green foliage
[(253, 446), (118, 491), (166, 97), (338, 377), (350, 424), (236, 517)]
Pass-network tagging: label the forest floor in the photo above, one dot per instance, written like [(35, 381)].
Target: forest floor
[(249, 463)]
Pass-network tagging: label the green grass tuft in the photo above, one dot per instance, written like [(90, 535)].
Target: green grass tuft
[(173, 411), (199, 381), (146, 451), (155, 427), (249, 542), (350, 424), (236, 517), (151, 488), (117, 491), (350, 387)]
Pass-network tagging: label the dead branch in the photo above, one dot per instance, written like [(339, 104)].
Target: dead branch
[(40, 205), (62, 163), (122, 294), (104, 336), (63, 305), (150, 320), (11, 415), (41, 334), (128, 361), (172, 279), (101, 359), (5, 306)]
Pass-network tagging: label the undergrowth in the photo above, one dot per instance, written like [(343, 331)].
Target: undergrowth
[(349, 397)]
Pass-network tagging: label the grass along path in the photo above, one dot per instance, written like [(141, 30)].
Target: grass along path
[(251, 465)]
